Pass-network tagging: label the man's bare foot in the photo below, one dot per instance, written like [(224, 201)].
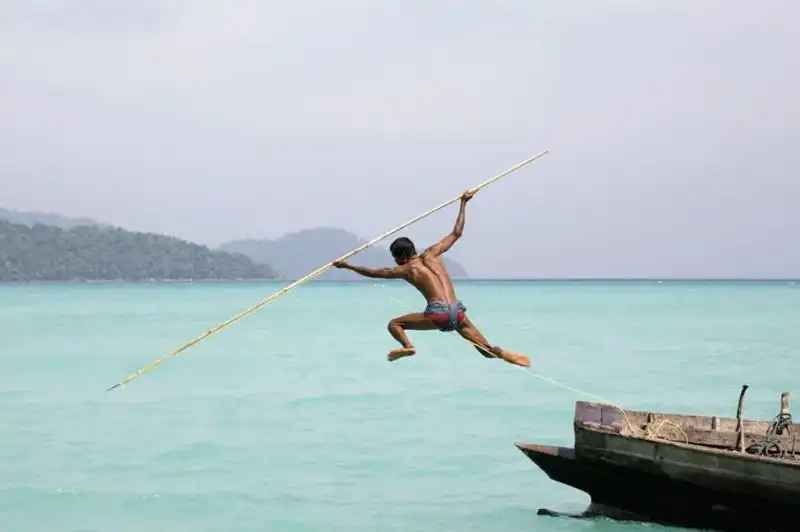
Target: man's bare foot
[(512, 358), (401, 352), (518, 359)]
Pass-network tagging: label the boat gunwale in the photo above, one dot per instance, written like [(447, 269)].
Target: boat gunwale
[(733, 453)]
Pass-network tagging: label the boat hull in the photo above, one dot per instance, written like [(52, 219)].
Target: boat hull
[(629, 493), (633, 468)]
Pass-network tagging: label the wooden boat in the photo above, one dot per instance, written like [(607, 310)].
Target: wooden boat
[(682, 470)]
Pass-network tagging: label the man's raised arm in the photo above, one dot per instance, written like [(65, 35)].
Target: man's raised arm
[(447, 242)]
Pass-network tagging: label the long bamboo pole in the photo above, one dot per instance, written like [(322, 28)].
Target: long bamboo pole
[(315, 273)]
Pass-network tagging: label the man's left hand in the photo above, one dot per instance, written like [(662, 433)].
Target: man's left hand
[(339, 264)]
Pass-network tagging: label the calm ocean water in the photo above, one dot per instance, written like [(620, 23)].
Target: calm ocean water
[(292, 419)]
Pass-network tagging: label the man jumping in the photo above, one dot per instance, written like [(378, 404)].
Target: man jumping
[(444, 311)]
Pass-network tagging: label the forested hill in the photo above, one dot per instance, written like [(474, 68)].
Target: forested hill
[(93, 253)]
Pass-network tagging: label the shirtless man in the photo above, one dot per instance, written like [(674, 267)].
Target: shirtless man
[(427, 274)]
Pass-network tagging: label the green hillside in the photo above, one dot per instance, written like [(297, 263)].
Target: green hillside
[(47, 253)]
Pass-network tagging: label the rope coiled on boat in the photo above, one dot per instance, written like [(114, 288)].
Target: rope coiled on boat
[(771, 446)]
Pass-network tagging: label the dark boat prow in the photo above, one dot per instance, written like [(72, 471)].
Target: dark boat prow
[(693, 471)]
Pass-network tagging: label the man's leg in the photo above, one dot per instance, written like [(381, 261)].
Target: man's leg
[(397, 328), (471, 333)]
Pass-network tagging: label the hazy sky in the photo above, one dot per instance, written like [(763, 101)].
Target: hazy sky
[(673, 126)]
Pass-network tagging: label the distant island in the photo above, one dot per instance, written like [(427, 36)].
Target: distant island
[(39, 252), (297, 254), (37, 246)]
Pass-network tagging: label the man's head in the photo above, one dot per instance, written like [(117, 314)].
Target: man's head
[(402, 249)]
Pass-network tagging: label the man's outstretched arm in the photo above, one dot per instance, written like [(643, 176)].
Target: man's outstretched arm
[(374, 273), (447, 242)]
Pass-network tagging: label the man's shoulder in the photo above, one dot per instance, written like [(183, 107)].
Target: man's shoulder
[(431, 256), (402, 270)]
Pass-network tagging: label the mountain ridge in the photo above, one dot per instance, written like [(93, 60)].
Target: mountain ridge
[(82, 249), (31, 218)]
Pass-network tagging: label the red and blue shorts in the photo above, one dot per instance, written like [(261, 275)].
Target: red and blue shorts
[(447, 316)]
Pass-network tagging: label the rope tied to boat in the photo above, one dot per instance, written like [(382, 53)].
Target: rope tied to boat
[(655, 433)]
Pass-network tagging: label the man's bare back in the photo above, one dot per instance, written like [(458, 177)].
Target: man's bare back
[(426, 272)]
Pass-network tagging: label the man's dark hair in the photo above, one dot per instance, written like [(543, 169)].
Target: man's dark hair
[(402, 247)]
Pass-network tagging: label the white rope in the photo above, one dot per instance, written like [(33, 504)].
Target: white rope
[(543, 377)]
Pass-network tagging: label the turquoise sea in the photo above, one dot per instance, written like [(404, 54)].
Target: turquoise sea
[(293, 420)]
